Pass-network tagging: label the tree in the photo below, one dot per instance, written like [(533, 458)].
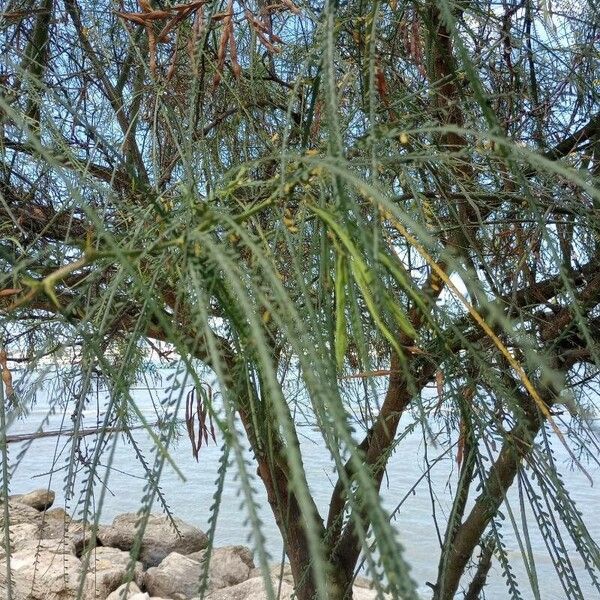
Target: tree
[(370, 198)]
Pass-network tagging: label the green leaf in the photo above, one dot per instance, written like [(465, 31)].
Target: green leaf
[(363, 275), (341, 337)]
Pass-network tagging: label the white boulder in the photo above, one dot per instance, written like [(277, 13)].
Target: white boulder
[(252, 589), (108, 568), (178, 576), (38, 499), (159, 540)]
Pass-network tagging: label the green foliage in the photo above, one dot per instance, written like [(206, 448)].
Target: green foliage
[(348, 213)]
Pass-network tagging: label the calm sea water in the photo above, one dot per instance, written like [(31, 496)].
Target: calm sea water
[(44, 465)]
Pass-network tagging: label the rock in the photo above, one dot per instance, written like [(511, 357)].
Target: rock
[(133, 591), (229, 565), (58, 524), (20, 534), (82, 539), (362, 593), (18, 513), (276, 573), (160, 538), (361, 590), (38, 499), (178, 576), (363, 582), (55, 546), (23, 533), (55, 523), (25, 540), (108, 569), (252, 589), (44, 575)]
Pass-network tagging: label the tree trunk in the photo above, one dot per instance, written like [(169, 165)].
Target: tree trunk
[(291, 523)]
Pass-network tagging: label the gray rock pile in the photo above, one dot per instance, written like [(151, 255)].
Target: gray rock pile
[(55, 557)]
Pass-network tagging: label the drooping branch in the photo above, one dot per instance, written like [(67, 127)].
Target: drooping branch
[(499, 480), (517, 446), (402, 383), (467, 449)]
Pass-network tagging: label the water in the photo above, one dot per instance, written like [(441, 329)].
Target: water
[(44, 465)]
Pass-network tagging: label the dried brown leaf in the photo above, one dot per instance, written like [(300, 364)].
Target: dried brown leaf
[(6, 375), (222, 15), (291, 6), (461, 444), (439, 384), (235, 65), (10, 292)]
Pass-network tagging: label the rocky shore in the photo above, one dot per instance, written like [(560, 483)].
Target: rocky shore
[(50, 551)]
